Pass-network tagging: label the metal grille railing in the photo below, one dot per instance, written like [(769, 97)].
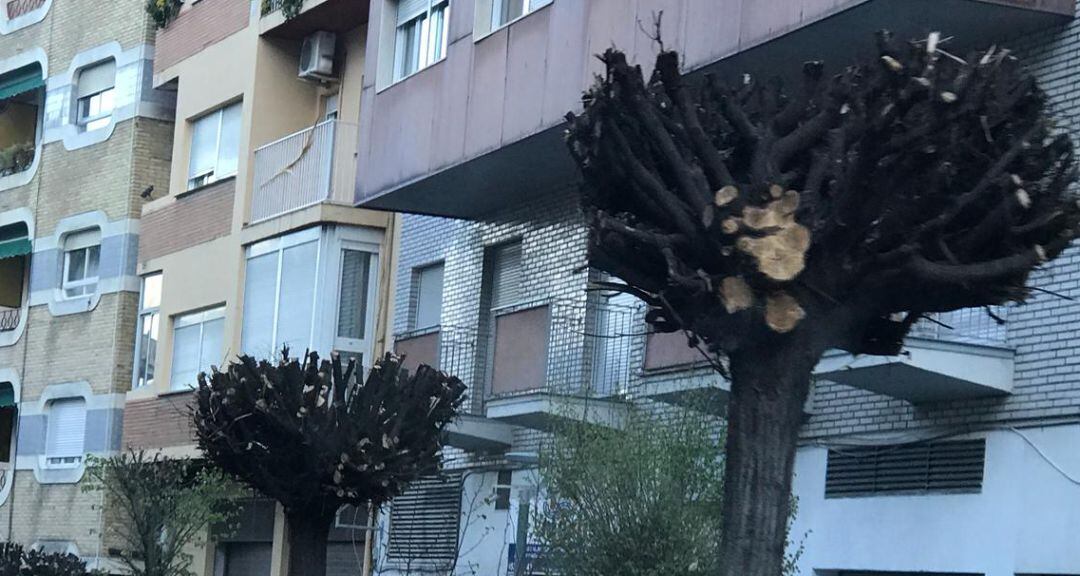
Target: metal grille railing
[(9, 319), (457, 356), (590, 347), (968, 326), (16, 8), (311, 166)]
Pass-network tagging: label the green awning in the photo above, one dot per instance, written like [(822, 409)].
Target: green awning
[(7, 395), (22, 80), (15, 247)]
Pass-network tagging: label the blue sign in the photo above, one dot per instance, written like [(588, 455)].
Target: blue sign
[(533, 559)]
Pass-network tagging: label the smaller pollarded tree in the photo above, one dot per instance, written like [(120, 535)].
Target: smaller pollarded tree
[(165, 504), (314, 437)]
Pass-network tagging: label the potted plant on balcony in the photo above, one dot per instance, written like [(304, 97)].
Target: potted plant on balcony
[(163, 11)]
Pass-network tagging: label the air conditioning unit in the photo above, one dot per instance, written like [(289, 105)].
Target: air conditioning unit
[(317, 56)]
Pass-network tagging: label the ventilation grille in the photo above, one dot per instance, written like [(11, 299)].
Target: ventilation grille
[(424, 520), (907, 469)]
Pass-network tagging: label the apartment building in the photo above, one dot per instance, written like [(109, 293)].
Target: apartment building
[(254, 242), (953, 458), (82, 133)]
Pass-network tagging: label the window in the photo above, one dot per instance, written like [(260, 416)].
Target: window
[(15, 249), (502, 489), (352, 517), (279, 297), (66, 433), (506, 275), (499, 13), (82, 253), (424, 520), (355, 303), (427, 288), (22, 94), (148, 326), (937, 467), (311, 290), (215, 143), (422, 27), (8, 411), (197, 343), (96, 95)]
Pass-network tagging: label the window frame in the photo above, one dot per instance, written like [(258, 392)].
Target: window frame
[(88, 121), (210, 176), (428, 53), (84, 119), (198, 318), (364, 347), (88, 285), (277, 247), (485, 24), (153, 313), (67, 462), (418, 291)]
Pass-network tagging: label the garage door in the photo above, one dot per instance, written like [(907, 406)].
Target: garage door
[(344, 559), (248, 559)]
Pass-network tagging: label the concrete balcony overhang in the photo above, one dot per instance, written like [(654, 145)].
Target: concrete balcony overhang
[(775, 41), (926, 371), (479, 434), (545, 411), (703, 390), (315, 15)]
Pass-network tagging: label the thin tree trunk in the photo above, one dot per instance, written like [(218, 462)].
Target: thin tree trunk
[(308, 534), (768, 391)]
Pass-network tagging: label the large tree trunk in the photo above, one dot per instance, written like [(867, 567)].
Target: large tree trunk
[(307, 542), (768, 390)]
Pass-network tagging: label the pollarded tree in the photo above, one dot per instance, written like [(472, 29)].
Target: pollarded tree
[(314, 437), (773, 225)]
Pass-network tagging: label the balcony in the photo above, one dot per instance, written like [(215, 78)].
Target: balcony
[(677, 374), (16, 8), (453, 350), (960, 354), (330, 15), (15, 249), (9, 319), (304, 169), (482, 130)]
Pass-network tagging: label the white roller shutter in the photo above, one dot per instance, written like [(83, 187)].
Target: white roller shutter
[(409, 9), (506, 275), (97, 78), (67, 428)]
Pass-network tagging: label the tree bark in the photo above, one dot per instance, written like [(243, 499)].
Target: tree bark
[(308, 534), (768, 390)]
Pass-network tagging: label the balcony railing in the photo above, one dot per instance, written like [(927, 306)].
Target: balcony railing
[(564, 347), (303, 169), (16, 8), (602, 350), (9, 319), (966, 326)]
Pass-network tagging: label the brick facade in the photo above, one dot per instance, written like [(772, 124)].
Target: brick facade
[(197, 27), (160, 422), (192, 219), (91, 350)]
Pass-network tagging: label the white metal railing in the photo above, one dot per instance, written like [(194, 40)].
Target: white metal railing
[(311, 166), (967, 325)]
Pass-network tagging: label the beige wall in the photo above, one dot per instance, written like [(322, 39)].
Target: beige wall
[(261, 72)]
